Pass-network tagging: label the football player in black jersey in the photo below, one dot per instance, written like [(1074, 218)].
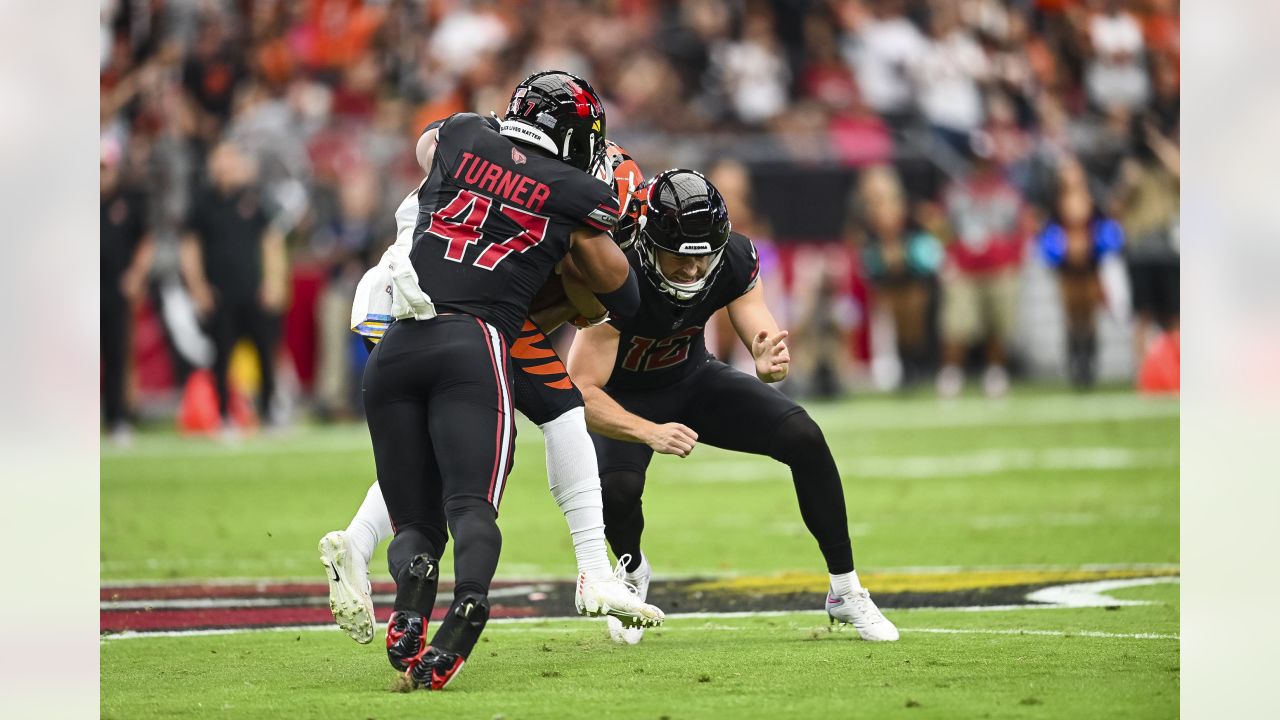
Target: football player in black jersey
[(542, 393), (650, 384), (498, 211)]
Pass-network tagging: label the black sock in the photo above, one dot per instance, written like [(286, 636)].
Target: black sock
[(623, 513)]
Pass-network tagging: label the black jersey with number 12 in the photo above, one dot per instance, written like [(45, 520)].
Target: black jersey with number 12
[(494, 218), (665, 342)]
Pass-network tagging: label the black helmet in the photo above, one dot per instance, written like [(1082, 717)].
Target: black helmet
[(559, 113), (682, 213)]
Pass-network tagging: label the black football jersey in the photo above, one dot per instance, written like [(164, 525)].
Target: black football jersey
[(494, 218), (664, 342)]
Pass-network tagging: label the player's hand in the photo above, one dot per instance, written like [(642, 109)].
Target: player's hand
[(773, 360), (672, 439)]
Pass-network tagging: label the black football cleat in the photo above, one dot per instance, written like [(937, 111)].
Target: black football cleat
[(406, 639), (435, 669)]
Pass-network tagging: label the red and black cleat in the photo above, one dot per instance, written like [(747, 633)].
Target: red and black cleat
[(435, 669), (406, 639)]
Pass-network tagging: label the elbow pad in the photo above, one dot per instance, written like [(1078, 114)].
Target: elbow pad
[(625, 301)]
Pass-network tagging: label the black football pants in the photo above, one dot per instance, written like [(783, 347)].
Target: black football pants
[(735, 411), (437, 398), (233, 319)]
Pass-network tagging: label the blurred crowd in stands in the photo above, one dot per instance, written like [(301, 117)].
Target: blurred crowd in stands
[(940, 189)]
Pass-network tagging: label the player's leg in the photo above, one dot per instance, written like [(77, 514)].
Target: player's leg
[(545, 394), (223, 330), (115, 362), (396, 411), (470, 418), (735, 411), (264, 330), (622, 475)]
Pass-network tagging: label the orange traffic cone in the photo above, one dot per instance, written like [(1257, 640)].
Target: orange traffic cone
[(198, 413), (1161, 368)]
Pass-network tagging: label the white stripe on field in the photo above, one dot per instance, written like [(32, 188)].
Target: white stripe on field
[(284, 601), (877, 415), (988, 461)]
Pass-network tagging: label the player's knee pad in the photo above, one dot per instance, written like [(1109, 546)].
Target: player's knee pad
[(621, 491), (797, 438)]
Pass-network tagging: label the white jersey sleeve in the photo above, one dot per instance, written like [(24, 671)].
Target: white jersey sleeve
[(390, 290)]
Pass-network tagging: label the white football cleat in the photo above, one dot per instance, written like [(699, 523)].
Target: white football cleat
[(349, 597), (860, 611), (621, 601), (619, 632)]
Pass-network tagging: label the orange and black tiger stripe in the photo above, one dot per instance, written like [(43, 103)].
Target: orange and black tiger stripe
[(532, 355)]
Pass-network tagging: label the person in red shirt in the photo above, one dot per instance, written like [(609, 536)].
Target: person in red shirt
[(987, 223)]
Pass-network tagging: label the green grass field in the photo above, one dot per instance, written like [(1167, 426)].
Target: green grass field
[(1039, 479)]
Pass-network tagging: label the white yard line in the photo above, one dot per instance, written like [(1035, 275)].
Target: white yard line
[(987, 461), (876, 415), (285, 601)]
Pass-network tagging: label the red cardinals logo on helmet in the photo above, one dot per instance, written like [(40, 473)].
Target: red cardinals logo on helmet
[(587, 104)]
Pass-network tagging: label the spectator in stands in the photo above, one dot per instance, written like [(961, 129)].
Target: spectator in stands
[(1115, 76), (752, 71), (986, 225), (948, 75), (126, 249), (1074, 244), (233, 261), (345, 247), (733, 180), (210, 76), (902, 265), (856, 134), (1147, 204), (882, 47)]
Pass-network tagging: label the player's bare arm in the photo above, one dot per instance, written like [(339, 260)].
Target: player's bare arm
[(576, 304), (759, 332), (605, 271), (133, 283), (426, 148), (275, 270), (590, 365)]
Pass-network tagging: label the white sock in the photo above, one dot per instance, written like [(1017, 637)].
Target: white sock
[(845, 584), (371, 525), (574, 478)]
